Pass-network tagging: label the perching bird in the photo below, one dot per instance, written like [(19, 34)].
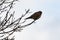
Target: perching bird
[(35, 16)]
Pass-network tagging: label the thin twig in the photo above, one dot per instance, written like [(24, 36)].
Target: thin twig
[(2, 2)]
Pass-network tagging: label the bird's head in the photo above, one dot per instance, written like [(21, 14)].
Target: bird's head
[(40, 11)]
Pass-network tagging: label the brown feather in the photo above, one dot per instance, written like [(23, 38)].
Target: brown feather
[(35, 16)]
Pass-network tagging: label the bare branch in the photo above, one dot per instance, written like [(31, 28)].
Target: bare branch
[(27, 24), (8, 21), (2, 2), (6, 14), (14, 22)]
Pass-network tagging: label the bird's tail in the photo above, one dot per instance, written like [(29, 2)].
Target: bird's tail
[(27, 18)]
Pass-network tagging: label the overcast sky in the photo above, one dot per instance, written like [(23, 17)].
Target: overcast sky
[(47, 27)]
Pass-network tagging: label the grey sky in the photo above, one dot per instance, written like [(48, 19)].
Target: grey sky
[(47, 27)]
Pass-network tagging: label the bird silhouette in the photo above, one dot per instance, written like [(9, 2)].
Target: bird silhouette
[(35, 16)]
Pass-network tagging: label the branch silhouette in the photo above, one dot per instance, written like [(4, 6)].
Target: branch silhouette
[(15, 25)]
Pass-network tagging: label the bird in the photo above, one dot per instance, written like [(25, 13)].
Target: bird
[(35, 16)]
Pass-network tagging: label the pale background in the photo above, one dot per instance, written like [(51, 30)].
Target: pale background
[(47, 27)]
